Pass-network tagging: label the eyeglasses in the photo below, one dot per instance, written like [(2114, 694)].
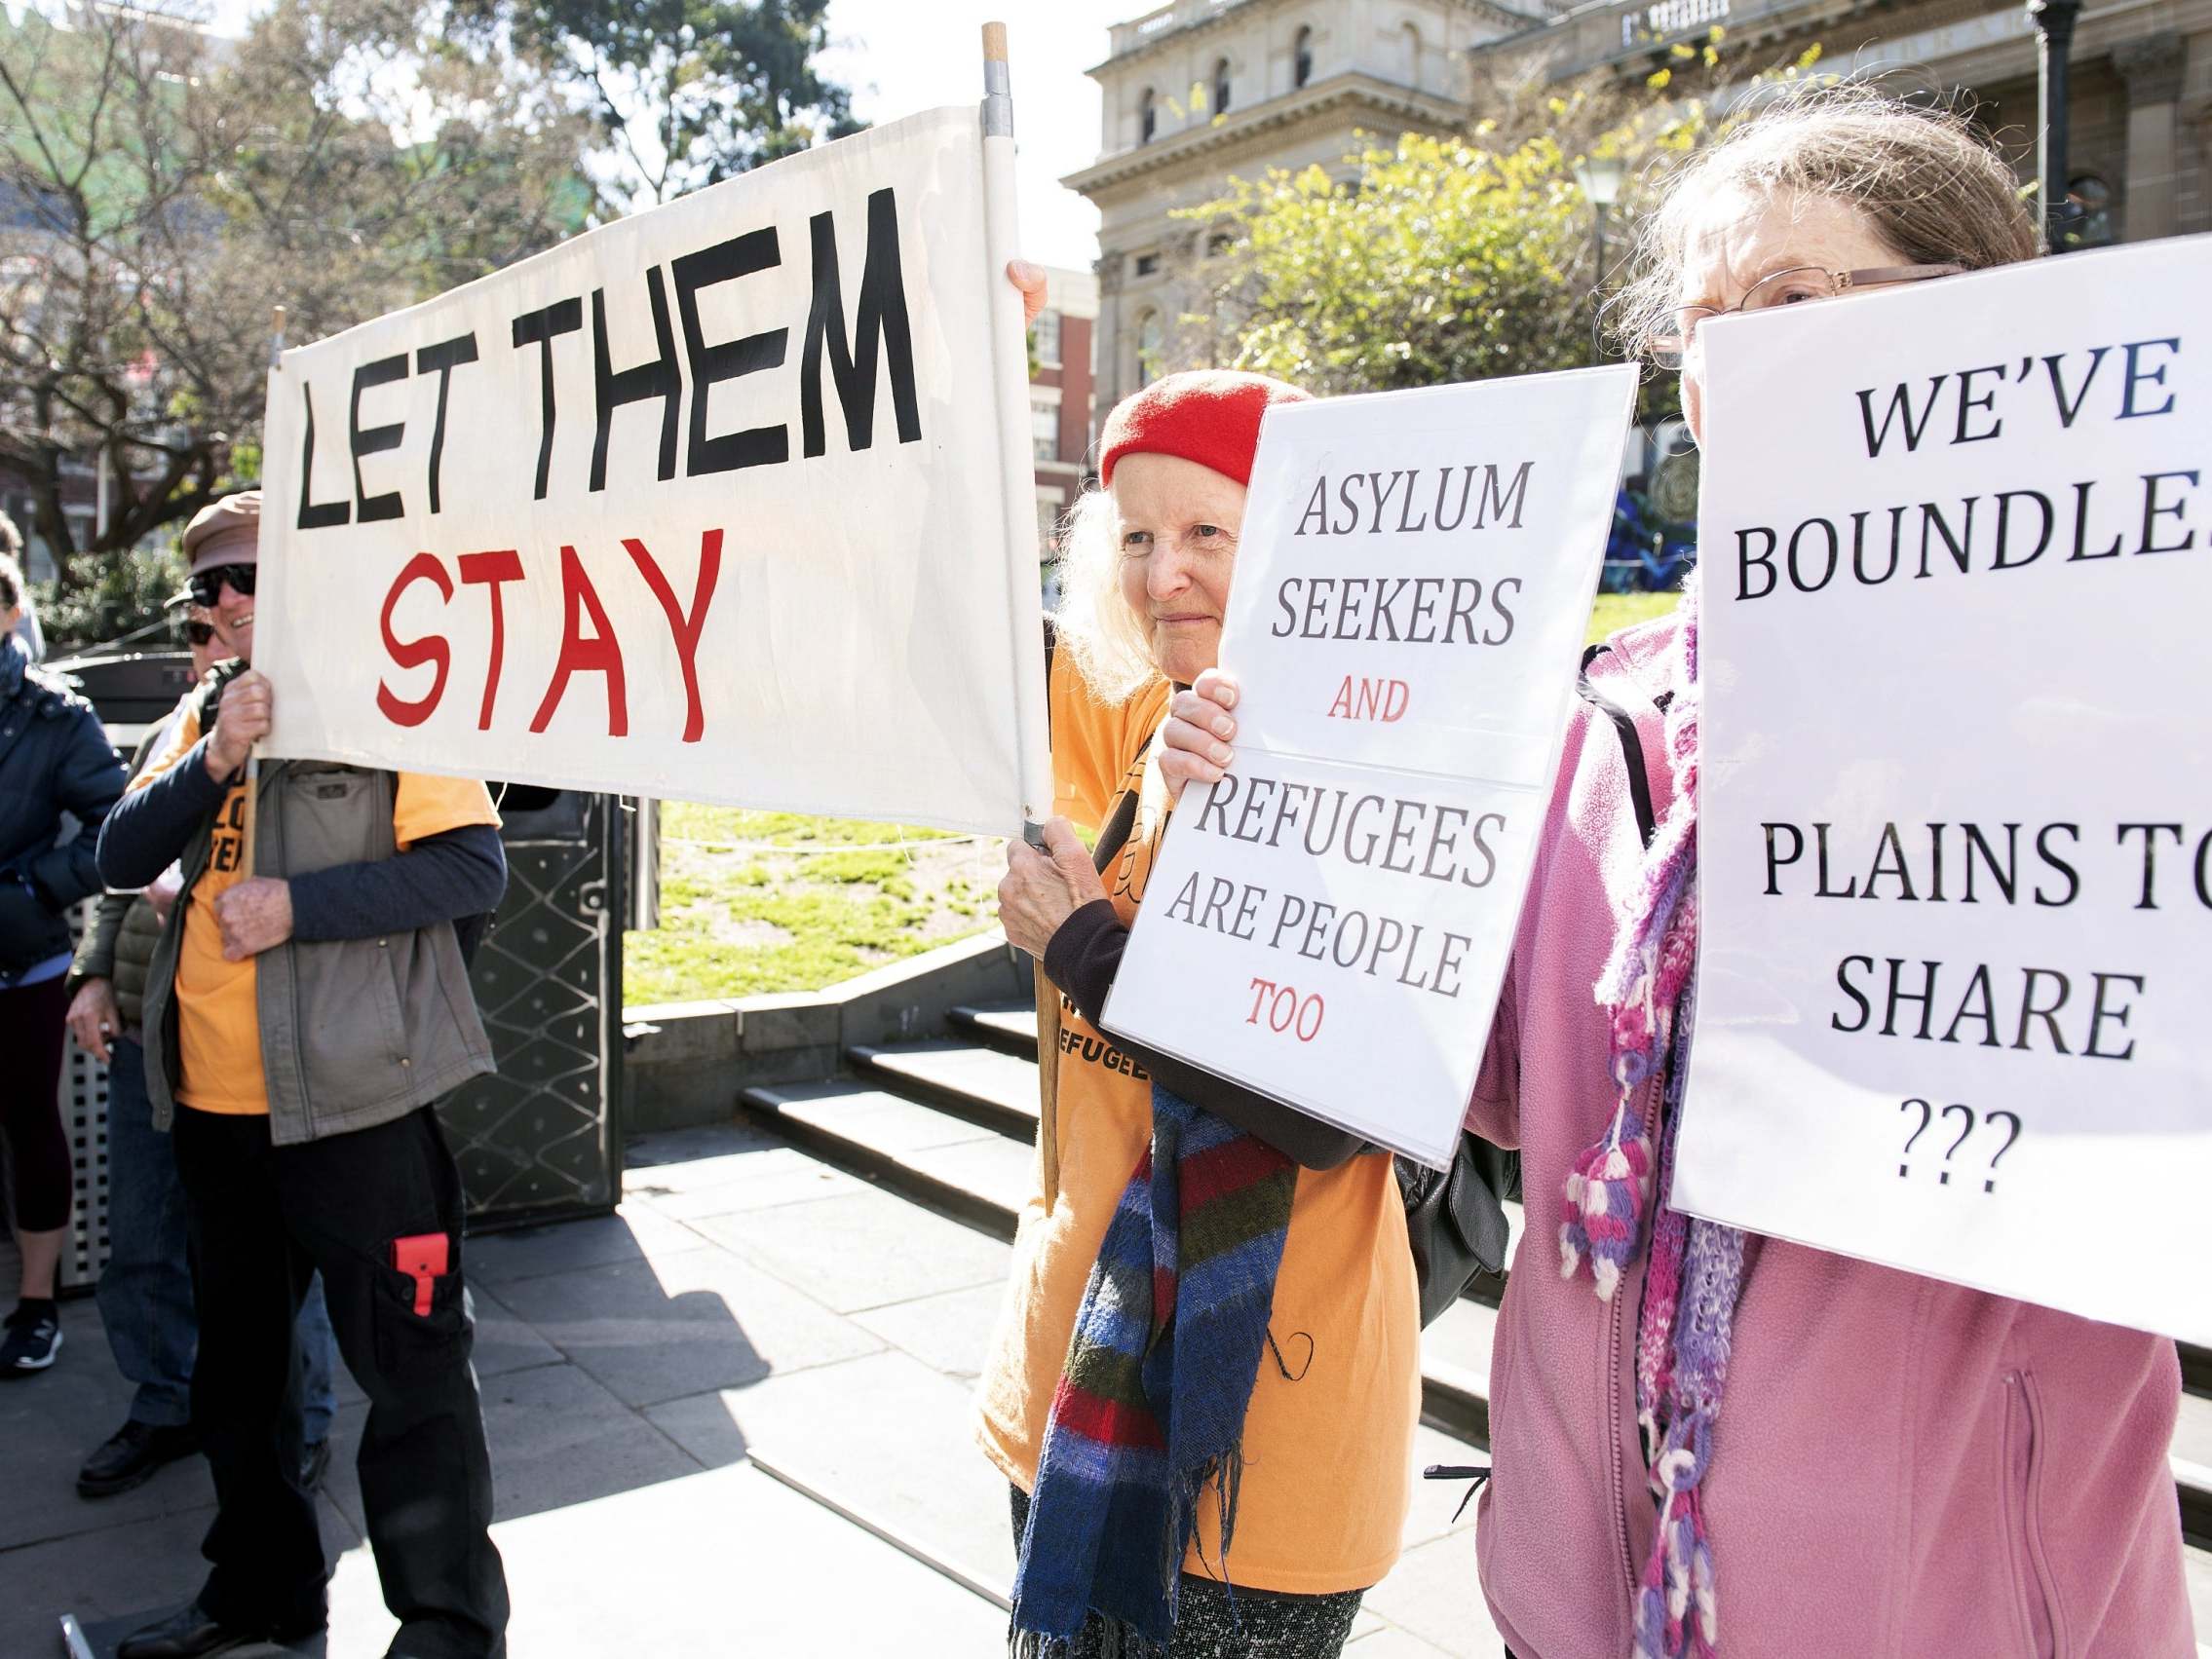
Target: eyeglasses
[(1793, 286), (199, 633), (207, 585)]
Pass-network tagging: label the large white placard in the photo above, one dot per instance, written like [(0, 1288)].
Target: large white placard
[(1330, 923), (710, 504), (1956, 797)]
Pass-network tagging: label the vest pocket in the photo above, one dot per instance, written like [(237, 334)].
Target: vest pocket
[(2023, 1475)]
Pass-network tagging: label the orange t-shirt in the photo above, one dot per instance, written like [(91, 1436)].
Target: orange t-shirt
[(1328, 1447), (218, 1020)]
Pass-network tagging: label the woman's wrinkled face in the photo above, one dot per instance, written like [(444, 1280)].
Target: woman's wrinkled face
[(1176, 524), (1747, 235)]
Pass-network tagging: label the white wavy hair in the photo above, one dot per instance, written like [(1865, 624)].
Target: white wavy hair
[(1096, 627)]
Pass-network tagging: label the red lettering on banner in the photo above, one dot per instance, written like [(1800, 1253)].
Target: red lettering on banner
[(683, 629), (1360, 699), (414, 653), (491, 570), (597, 652)]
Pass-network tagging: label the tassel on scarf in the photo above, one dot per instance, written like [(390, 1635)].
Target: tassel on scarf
[(1606, 1192)]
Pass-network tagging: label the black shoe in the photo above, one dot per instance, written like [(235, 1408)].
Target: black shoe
[(131, 1455), (314, 1464), (195, 1632), (34, 1337)]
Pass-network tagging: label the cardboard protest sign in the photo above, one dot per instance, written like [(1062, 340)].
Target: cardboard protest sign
[(711, 503), (1330, 923), (1955, 824)]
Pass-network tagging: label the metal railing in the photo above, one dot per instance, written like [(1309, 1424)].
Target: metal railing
[(1610, 30), (1181, 14)]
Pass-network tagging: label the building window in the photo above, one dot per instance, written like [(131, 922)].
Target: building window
[(1148, 118), (1047, 337), (1411, 33), (1148, 264), (1152, 343), (1048, 528), (1044, 430), (1302, 58), (1221, 88)]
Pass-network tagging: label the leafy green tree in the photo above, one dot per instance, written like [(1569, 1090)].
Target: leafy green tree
[(1447, 259), (164, 191), (685, 93)]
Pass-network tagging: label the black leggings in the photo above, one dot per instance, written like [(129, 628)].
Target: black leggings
[(1210, 1624), (32, 1030)]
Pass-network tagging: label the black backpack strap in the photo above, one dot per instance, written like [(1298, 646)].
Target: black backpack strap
[(1118, 823), (1631, 746)]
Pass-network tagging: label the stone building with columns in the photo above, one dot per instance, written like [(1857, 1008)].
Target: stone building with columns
[(1199, 90), (2141, 71)]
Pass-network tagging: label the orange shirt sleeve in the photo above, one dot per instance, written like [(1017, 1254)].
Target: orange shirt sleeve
[(426, 804), (1092, 741), (183, 733)]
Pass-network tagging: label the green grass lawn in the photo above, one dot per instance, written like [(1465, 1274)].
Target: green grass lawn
[(1614, 611), (773, 901)]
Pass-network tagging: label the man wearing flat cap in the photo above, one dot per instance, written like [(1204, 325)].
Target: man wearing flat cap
[(145, 1287), (302, 1017)]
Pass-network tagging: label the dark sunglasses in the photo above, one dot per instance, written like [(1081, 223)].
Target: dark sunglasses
[(207, 585), (199, 633)]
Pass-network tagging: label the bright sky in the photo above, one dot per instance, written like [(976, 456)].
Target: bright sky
[(902, 55)]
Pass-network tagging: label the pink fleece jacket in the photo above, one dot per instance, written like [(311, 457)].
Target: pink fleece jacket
[(1902, 1469)]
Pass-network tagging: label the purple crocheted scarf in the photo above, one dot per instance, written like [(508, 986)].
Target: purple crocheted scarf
[(1694, 1269)]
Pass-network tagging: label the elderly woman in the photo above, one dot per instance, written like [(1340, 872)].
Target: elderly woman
[(1254, 1346), (1849, 1460)]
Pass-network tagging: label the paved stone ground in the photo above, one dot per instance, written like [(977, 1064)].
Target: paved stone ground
[(706, 1415)]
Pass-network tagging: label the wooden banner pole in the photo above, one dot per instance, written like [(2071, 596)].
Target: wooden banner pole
[(1025, 616), (251, 818)]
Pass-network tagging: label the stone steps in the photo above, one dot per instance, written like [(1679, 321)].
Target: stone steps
[(952, 1125)]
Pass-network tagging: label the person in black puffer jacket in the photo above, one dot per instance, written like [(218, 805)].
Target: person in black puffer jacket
[(54, 759)]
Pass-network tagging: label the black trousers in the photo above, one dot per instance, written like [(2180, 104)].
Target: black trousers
[(262, 1219)]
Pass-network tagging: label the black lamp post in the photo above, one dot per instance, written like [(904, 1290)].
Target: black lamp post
[(1601, 178), (2054, 41)]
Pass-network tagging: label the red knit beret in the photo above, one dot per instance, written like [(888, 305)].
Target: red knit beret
[(1207, 415)]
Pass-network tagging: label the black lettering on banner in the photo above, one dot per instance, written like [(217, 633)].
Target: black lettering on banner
[(441, 359), (656, 377), (880, 317), (315, 514), (375, 440), (726, 360), (540, 327)]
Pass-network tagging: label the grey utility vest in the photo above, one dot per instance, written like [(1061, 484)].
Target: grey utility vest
[(354, 1031)]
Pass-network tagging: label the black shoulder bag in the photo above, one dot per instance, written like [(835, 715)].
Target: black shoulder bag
[(1454, 1219)]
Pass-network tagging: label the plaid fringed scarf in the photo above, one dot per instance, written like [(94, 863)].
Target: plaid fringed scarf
[(1150, 1410)]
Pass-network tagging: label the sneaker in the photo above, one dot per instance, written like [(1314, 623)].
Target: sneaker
[(34, 1337), (131, 1455)]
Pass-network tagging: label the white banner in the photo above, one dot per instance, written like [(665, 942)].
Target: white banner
[(1331, 923), (1956, 813), (709, 503)]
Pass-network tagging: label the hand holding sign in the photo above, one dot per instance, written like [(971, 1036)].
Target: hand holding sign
[(1195, 742), (1042, 889), (242, 719)]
